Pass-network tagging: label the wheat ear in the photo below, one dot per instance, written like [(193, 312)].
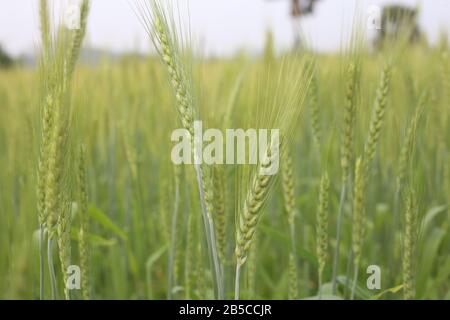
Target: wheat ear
[(409, 244), (376, 122), (407, 149), (84, 225), (293, 278), (220, 210), (165, 41), (47, 123), (77, 38), (289, 205), (251, 212), (45, 29), (46, 129), (322, 227), (352, 76), (315, 114), (64, 244)]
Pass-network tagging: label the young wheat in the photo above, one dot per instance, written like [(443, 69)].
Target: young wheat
[(293, 278), (315, 114), (376, 123), (84, 225), (45, 29), (220, 210), (64, 245), (248, 220), (289, 204), (349, 119), (322, 227), (352, 77), (77, 38), (358, 220), (407, 149), (409, 245), (165, 41)]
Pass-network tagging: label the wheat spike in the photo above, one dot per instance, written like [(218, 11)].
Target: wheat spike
[(84, 225), (349, 119), (376, 122), (322, 224), (220, 210), (409, 244)]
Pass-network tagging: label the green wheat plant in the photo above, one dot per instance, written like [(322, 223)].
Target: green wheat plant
[(88, 180)]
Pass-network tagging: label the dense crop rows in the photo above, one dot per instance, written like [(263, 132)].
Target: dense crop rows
[(374, 124)]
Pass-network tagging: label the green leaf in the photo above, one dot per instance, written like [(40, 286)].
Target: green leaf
[(97, 240), (391, 290), (155, 256), (99, 216), (427, 259), (430, 216), (94, 239), (308, 256), (360, 292)]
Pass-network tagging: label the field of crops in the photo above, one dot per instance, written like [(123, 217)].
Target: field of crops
[(85, 156)]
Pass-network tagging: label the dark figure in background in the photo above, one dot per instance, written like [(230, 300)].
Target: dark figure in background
[(5, 60), (300, 8), (398, 21)]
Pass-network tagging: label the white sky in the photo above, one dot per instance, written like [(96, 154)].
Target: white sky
[(219, 26)]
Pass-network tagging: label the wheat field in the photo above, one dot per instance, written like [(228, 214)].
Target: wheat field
[(85, 157)]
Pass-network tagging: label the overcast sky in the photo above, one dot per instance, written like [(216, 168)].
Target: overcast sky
[(219, 26)]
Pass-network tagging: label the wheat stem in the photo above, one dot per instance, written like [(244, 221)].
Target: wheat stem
[(409, 244), (322, 227), (236, 281), (352, 74), (165, 42), (358, 218), (84, 226), (173, 237), (355, 280), (41, 261), (51, 267)]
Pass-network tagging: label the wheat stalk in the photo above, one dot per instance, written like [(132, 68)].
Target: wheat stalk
[(53, 154), (289, 205), (46, 129), (409, 245), (293, 278), (220, 210), (248, 220), (173, 232), (189, 273), (407, 149), (322, 227), (315, 114), (84, 250), (64, 245), (376, 122), (288, 189), (164, 38), (349, 119), (357, 220), (352, 78), (45, 29), (77, 38)]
